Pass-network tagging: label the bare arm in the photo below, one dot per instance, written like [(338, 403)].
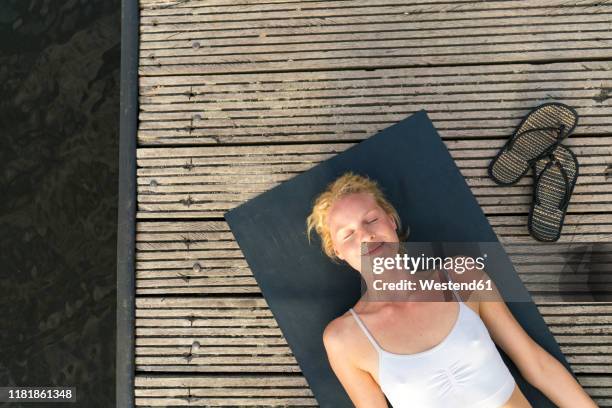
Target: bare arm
[(536, 365), (359, 384)]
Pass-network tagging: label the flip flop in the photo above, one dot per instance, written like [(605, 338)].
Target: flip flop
[(554, 180), (540, 131)]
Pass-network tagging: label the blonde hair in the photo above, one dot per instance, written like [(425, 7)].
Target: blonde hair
[(348, 183)]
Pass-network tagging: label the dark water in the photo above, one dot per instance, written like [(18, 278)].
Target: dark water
[(59, 135)]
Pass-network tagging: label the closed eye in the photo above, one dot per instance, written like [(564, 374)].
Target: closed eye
[(348, 235), (373, 220)]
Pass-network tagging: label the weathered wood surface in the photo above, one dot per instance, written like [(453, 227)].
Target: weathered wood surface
[(239, 96), (238, 335), (202, 38), (202, 257), (463, 102), (269, 390), (208, 181), (198, 334)]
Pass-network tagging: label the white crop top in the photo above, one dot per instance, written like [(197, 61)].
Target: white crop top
[(464, 370)]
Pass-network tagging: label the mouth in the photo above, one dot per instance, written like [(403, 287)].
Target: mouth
[(372, 248)]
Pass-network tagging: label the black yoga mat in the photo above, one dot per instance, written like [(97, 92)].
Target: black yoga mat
[(305, 290)]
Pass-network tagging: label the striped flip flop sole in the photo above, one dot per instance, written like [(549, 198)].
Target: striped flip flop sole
[(554, 180)]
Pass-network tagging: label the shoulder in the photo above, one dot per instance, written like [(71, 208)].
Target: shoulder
[(344, 345), (338, 333), (346, 356)]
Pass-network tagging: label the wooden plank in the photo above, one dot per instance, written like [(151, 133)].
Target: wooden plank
[(272, 23), (202, 257), (241, 9), (219, 230), (387, 108), (245, 4), (353, 105), (235, 392), (208, 181), (371, 90), (160, 44), (220, 305), (224, 402), (188, 235), (371, 59), (151, 160), (190, 240), (195, 236), (216, 234), (191, 206), (155, 101), (298, 382), (336, 13), (344, 46), (157, 390), (264, 46), (340, 127), (409, 76), (551, 282), (584, 331)]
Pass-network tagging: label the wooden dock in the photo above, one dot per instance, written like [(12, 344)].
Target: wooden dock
[(237, 96)]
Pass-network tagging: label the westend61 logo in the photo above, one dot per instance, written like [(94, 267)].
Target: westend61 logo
[(457, 264)]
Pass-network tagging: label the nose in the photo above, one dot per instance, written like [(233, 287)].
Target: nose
[(367, 238), (367, 235)]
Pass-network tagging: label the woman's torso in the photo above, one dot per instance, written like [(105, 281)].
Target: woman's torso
[(449, 360)]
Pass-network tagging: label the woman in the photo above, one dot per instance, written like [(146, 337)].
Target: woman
[(399, 350)]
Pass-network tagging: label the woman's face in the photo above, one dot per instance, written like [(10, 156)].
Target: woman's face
[(356, 218)]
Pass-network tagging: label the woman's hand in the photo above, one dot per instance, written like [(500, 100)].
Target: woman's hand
[(359, 384)]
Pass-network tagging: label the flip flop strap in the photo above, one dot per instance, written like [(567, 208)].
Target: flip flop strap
[(556, 162), (559, 128)]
